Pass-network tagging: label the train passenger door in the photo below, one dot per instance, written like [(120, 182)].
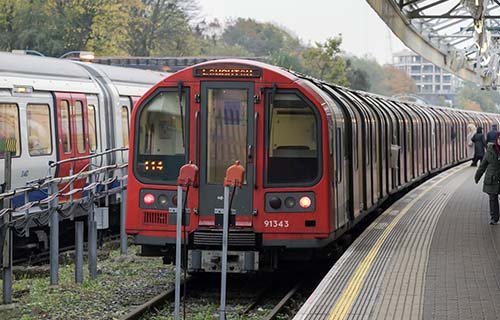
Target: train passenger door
[(72, 133), (227, 135)]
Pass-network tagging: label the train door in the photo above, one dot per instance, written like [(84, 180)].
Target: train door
[(72, 133), (227, 135)]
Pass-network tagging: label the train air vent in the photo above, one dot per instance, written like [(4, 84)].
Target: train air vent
[(244, 239), (155, 217)]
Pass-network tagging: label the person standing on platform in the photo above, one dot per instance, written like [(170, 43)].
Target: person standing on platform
[(491, 183), (479, 146), (492, 135)]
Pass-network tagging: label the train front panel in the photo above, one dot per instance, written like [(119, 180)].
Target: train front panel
[(212, 115)]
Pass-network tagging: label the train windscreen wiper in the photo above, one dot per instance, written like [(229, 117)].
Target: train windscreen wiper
[(179, 93)]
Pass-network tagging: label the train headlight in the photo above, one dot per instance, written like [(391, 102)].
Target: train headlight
[(290, 202), (305, 202), (275, 203), (149, 199), (163, 200)]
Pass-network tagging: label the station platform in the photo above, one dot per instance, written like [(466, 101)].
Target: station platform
[(431, 255)]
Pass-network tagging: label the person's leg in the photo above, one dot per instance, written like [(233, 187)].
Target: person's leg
[(474, 161), (494, 209)]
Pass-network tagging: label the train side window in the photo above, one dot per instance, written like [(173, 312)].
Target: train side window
[(125, 126), (9, 125), (91, 114), (293, 147), (39, 130), (338, 148), (79, 127), (65, 127)]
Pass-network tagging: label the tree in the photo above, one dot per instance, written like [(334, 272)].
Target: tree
[(397, 82), (260, 39), (357, 77), (470, 94), (161, 27), (324, 61)]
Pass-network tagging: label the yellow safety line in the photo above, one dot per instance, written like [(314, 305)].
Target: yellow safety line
[(351, 291)]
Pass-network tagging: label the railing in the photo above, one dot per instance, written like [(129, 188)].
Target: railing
[(64, 202)]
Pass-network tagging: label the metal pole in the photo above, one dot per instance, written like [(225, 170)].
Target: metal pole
[(7, 248), (92, 249), (123, 235), (79, 252), (225, 232), (54, 237), (178, 266)]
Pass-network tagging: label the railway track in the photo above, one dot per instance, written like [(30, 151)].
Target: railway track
[(254, 297)]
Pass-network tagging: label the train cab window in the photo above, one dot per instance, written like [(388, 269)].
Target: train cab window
[(161, 152), (65, 127), (92, 128), (39, 129), (9, 125), (293, 143), (125, 126), (79, 127)]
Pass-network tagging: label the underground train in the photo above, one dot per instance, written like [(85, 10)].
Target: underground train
[(60, 109), (318, 158)]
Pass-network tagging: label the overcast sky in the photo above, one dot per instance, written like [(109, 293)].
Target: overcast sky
[(363, 32)]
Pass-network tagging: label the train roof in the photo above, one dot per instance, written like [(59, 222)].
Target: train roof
[(40, 66)]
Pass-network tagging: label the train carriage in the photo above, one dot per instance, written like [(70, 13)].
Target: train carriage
[(318, 158)]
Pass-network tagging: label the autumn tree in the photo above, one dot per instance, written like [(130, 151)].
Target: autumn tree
[(324, 61), (396, 81)]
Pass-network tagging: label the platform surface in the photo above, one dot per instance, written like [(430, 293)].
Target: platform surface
[(431, 255)]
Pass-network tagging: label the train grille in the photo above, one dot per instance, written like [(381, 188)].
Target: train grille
[(210, 238), (155, 217)]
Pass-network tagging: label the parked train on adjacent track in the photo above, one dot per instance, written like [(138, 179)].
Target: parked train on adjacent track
[(60, 109), (318, 158)]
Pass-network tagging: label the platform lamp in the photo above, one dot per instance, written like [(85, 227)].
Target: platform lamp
[(82, 55)]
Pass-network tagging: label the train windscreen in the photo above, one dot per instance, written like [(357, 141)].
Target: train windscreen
[(161, 147)]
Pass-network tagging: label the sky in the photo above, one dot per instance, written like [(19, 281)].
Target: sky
[(363, 32)]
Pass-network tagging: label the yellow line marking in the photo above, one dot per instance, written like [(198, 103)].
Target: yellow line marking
[(351, 291)]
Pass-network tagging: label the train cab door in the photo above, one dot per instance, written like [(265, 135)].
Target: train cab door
[(72, 134), (227, 135)]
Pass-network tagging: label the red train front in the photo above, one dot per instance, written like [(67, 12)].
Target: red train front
[(274, 123)]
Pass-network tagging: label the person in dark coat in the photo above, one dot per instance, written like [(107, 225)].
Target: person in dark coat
[(491, 183), (492, 135), (479, 146)]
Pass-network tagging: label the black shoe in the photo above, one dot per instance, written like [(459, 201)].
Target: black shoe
[(473, 165), (493, 221)]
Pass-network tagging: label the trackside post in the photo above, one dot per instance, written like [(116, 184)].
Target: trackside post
[(188, 176), (8, 147), (234, 178)]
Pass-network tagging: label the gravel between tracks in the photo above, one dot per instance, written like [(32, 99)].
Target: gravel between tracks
[(122, 283)]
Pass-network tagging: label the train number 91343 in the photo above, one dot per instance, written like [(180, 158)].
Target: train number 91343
[(276, 223)]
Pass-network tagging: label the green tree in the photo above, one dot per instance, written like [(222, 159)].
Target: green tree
[(357, 77), (324, 61), (470, 92), (161, 27), (260, 39)]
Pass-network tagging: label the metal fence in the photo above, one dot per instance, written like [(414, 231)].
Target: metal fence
[(84, 192)]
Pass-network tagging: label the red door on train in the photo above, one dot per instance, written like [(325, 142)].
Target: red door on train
[(72, 133)]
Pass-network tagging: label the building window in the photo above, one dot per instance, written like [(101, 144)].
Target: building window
[(447, 79), (428, 69), (446, 88), (437, 88), (39, 130), (415, 69)]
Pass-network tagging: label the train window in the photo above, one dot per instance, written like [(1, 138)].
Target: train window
[(226, 126), (39, 130), (125, 126), (161, 152), (338, 150), (80, 133), (9, 125), (92, 128), (292, 141), (65, 127)]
